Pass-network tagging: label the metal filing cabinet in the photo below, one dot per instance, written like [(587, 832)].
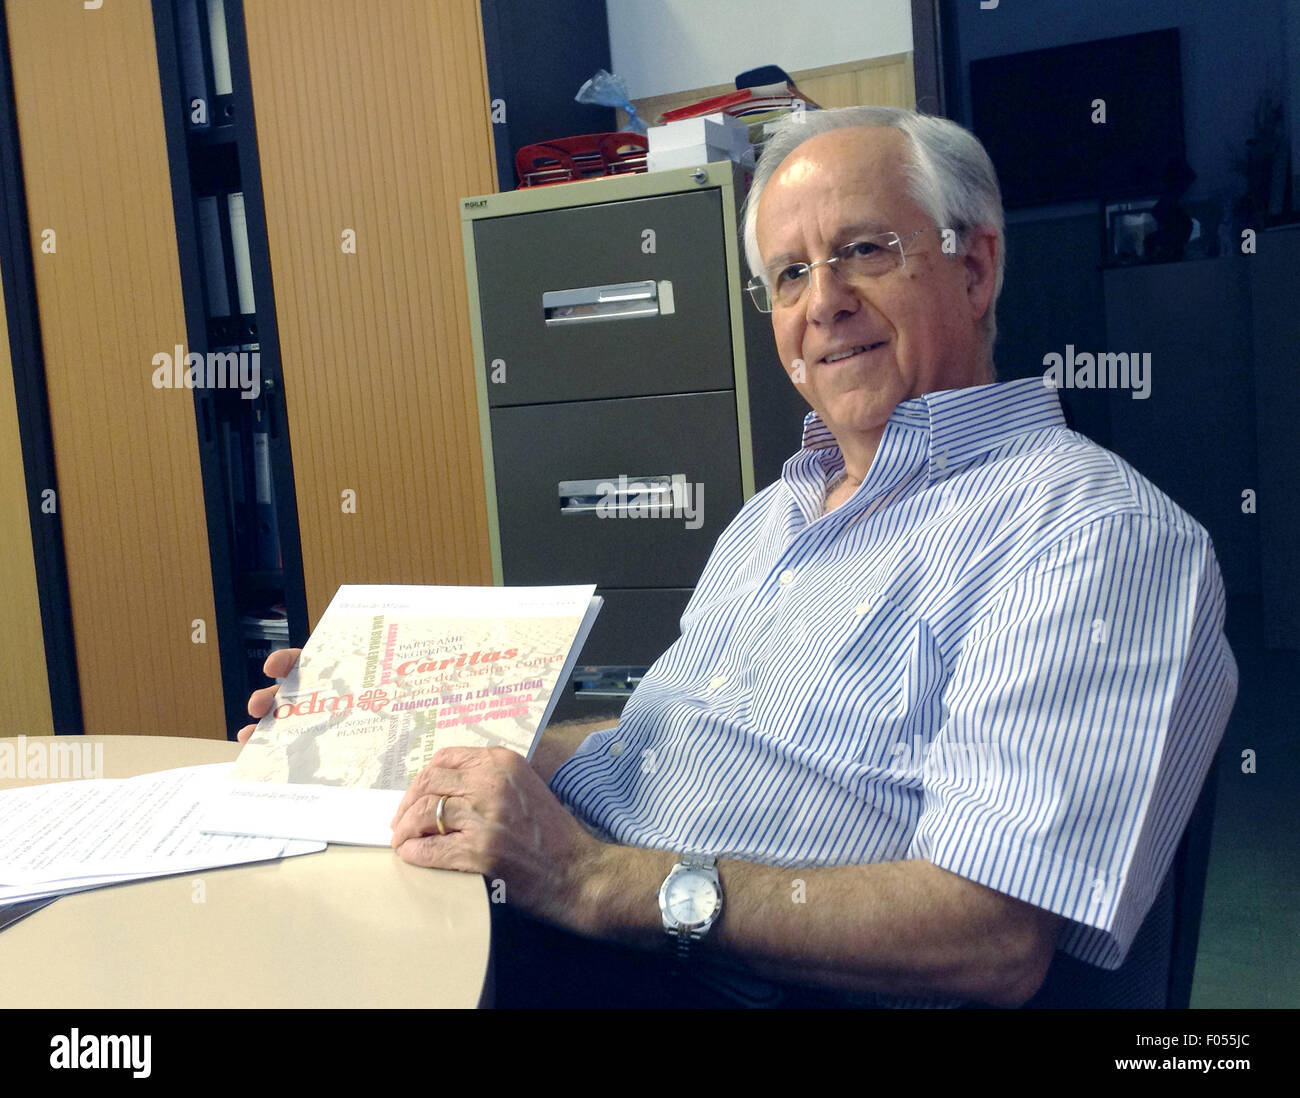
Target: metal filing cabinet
[(608, 343)]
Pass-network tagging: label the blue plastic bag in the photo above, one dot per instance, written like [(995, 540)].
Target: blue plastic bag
[(607, 90)]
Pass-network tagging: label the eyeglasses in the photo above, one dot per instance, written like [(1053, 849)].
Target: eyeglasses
[(870, 257)]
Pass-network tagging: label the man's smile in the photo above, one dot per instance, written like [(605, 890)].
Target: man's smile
[(850, 354)]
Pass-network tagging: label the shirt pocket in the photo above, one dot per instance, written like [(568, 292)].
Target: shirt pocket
[(864, 686)]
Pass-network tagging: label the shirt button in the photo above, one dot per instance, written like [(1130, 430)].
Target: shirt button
[(716, 682), (862, 608), (616, 748), (786, 577)]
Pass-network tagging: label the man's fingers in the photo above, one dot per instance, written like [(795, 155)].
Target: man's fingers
[(260, 701), (432, 782), (280, 662), (438, 777), (421, 818), (439, 852), (418, 821)]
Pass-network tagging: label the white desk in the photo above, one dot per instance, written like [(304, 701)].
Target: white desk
[(349, 927)]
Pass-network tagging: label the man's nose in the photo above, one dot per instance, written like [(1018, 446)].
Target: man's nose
[(828, 295)]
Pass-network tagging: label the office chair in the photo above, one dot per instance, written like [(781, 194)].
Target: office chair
[(1157, 973)]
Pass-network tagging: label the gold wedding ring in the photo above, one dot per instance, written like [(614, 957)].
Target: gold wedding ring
[(437, 816)]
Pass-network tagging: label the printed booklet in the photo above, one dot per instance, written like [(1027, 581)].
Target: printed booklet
[(390, 675)]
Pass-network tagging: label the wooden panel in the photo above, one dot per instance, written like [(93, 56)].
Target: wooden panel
[(376, 120), (889, 85), (24, 682), (877, 81), (135, 537)]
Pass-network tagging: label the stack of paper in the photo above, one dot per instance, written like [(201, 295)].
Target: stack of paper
[(692, 141), (745, 101), (68, 836)]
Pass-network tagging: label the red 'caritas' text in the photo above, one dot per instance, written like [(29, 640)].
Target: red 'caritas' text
[(463, 660)]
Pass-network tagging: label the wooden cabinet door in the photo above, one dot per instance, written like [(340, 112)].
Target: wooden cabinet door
[(94, 155), (372, 121)]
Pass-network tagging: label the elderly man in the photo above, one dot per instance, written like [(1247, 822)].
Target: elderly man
[(945, 693)]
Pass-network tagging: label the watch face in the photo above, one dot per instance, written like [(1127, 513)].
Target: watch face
[(692, 897)]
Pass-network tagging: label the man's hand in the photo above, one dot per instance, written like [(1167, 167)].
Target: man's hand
[(503, 822), (278, 664)]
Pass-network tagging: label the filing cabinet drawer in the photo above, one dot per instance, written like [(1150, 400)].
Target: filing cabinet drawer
[(631, 350), (536, 449), (634, 628)]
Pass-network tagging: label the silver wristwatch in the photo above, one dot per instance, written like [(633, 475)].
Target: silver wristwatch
[(690, 900)]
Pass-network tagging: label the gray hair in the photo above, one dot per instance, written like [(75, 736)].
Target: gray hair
[(950, 177)]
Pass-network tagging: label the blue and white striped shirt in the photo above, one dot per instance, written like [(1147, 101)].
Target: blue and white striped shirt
[(1004, 654)]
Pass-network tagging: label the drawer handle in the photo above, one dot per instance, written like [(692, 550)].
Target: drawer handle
[(615, 301), (586, 497), (606, 681)]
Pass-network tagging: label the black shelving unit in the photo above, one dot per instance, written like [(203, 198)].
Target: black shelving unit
[(243, 432)]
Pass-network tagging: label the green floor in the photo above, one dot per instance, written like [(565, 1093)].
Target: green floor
[(1249, 953)]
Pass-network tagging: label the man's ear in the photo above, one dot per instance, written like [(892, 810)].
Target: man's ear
[(981, 258)]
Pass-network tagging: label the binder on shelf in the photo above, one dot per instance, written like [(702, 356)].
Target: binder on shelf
[(220, 46), (204, 48), (268, 527), (228, 459), (214, 256), (237, 442), (242, 256), (194, 80)]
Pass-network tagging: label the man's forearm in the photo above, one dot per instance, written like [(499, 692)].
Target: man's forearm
[(560, 741), (897, 928)]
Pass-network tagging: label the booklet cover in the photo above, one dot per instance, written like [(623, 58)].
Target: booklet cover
[(390, 675)]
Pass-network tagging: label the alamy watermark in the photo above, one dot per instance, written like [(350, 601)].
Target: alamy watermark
[(1104, 370), (102, 1051), (677, 499), (950, 757), (61, 758), (240, 370)]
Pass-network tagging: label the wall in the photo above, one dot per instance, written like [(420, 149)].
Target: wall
[(1229, 53), (1196, 437), (1291, 16), (671, 45)]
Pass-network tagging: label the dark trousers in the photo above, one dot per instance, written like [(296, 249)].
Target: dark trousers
[(538, 966)]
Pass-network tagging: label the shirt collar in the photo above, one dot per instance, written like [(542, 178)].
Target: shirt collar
[(958, 424)]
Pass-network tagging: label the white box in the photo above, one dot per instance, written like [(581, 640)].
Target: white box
[(719, 130), (685, 158)]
